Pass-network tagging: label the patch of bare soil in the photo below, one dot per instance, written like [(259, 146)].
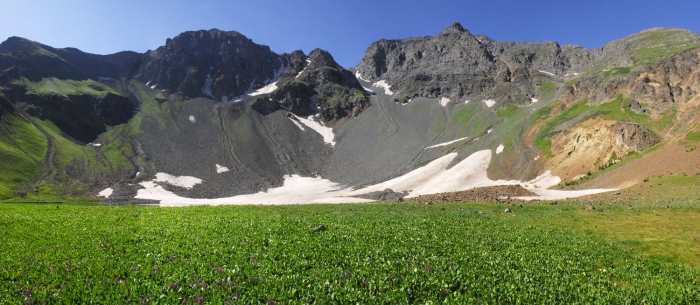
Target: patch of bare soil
[(500, 193), (673, 159)]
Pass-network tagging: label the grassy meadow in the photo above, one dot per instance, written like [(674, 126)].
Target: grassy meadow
[(639, 251)]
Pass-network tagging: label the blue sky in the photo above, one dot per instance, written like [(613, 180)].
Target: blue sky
[(344, 28)]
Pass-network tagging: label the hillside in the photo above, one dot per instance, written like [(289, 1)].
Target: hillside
[(213, 118)]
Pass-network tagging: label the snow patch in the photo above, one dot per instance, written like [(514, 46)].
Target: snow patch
[(466, 102), (221, 169), (534, 100), (207, 85), (308, 62), (153, 87), (272, 85), (296, 122), (314, 123), (229, 41), (537, 158), (181, 181), (359, 76), (385, 85), (447, 143), (295, 190), (106, 192), (192, 119), (434, 177), (489, 103), (444, 101), (500, 149), (94, 144), (137, 174), (548, 73), (368, 90), (489, 131)]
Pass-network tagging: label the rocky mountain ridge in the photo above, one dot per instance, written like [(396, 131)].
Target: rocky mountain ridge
[(232, 118)]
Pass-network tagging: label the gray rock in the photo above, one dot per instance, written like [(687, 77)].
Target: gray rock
[(320, 228)]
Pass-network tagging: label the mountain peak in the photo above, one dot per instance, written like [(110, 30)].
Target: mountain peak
[(455, 28)]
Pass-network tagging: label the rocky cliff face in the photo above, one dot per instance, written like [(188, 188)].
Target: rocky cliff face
[(213, 63), (227, 66)]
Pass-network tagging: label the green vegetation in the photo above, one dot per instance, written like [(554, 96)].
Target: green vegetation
[(369, 253), (22, 149), (507, 111), (693, 137), (547, 91), (617, 71), (54, 86), (543, 138), (655, 45), (581, 111), (571, 82)]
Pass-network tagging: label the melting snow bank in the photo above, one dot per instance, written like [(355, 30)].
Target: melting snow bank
[(444, 101), (325, 132), (470, 173), (500, 148), (359, 76), (447, 143), (106, 192), (221, 169), (181, 181), (489, 103), (385, 85), (271, 85), (295, 190), (548, 73), (207, 85), (434, 177)]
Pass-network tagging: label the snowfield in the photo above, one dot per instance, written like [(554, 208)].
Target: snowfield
[(444, 101), (447, 143), (315, 123), (271, 85), (106, 192), (434, 177), (385, 85), (221, 169)]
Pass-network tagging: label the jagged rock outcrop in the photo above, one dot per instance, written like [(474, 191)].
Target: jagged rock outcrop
[(334, 92), (453, 64), (227, 66), (634, 136), (214, 63)]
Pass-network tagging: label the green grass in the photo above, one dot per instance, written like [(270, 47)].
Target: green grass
[(507, 111), (19, 164), (617, 71), (547, 91), (693, 137), (652, 55), (370, 253), (54, 86)]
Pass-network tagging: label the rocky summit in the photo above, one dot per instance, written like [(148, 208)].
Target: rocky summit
[(211, 117)]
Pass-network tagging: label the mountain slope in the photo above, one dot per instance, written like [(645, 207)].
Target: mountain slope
[(211, 117)]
